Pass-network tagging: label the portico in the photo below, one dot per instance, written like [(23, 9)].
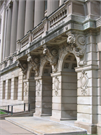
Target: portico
[(52, 59)]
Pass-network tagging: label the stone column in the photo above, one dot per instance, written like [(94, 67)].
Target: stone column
[(39, 11), (8, 34), (61, 2), (6, 89), (52, 5), (38, 102), (21, 19), (43, 96), (14, 27), (20, 86), (29, 15), (12, 88)]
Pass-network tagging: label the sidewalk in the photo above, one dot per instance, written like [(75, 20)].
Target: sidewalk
[(7, 128)]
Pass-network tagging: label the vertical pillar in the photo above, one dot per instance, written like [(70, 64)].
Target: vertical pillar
[(52, 5), (3, 22), (29, 15), (56, 97), (12, 89), (6, 89), (8, 34), (20, 86), (43, 96), (14, 27), (61, 2), (4, 38), (39, 11), (21, 19), (29, 93), (38, 102)]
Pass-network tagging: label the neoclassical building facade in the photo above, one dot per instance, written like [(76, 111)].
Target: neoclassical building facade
[(50, 57)]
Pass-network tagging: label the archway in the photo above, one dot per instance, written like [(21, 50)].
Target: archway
[(47, 90), (29, 89), (69, 87)]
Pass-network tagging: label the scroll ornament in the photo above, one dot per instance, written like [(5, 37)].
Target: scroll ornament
[(51, 56), (34, 64), (23, 66), (76, 45)]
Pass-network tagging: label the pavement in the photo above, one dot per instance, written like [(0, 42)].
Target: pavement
[(46, 126), (7, 128)]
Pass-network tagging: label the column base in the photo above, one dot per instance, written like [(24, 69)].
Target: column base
[(99, 128), (91, 128), (61, 119), (40, 115)]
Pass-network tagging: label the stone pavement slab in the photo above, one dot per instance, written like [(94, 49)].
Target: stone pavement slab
[(7, 128), (42, 126)]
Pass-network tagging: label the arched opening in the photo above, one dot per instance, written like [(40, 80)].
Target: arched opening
[(47, 90), (69, 88)]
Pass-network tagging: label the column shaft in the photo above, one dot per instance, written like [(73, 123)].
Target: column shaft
[(61, 2), (21, 19), (8, 34), (39, 11), (14, 27), (29, 15), (52, 5)]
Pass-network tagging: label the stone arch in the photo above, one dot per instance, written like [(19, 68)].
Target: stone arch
[(62, 57)]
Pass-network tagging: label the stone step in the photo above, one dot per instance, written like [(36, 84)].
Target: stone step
[(43, 126)]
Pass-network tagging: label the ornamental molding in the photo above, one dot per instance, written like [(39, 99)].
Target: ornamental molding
[(76, 45), (51, 55), (84, 83), (34, 63), (38, 87), (56, 85), (25, 89), (24, 67)]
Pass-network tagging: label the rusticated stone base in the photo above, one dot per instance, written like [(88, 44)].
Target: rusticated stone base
[(99, 129), (91, 128)]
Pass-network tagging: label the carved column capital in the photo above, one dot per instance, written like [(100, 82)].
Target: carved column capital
[(34, 62), (24, 67), (51, 55), (76, 45)]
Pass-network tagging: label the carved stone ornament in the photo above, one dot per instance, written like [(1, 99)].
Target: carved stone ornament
[(76, 45), (51, 56), (56, 85), (38, 87), (34, 63), (84, 82), (23, 66), (25, 89)]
